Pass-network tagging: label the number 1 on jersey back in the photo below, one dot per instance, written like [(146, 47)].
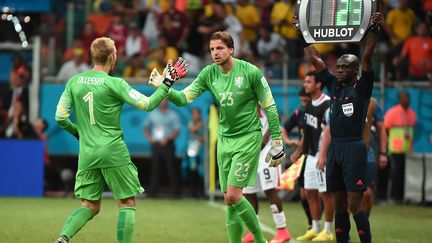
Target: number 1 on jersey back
[(89, 98)]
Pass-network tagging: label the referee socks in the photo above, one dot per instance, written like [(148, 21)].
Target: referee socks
[(363, 227), (342, 227)]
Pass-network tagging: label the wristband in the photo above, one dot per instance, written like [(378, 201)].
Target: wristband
[(374, 28), (168, 82), (303, 42)]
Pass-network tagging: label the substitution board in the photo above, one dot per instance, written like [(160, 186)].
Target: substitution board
[(334, 20)]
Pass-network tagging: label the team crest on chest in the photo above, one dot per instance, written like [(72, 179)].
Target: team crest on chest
[(238, 81), (348, 109)]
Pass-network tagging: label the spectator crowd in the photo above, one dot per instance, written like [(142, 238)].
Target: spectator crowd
[(147, 33)]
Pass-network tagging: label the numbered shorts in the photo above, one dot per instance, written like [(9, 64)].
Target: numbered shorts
[(122, 181), (346, 166), (314, 179), (267, 177), (238, 159)]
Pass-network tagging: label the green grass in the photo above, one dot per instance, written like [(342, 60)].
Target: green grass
[(25, 220)]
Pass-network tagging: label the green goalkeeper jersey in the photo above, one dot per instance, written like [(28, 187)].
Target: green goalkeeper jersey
[(97, 100), (237, 94)]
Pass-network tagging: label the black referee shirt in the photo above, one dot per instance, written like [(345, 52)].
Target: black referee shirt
[(349, 104)]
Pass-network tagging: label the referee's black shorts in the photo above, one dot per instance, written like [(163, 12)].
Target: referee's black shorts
[(346, 165)]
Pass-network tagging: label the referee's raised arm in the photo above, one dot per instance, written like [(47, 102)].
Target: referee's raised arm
[(311, 53), (366, 61)]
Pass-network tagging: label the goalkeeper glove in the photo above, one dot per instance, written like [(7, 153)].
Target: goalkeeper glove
[(170, 74), (156, 78), (276, 154)]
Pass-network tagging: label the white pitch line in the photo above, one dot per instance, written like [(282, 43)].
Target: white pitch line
[(264, 227)]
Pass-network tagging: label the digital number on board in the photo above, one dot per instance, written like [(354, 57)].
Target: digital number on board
[(334, 20)]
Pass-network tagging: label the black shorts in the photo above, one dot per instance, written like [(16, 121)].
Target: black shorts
[(346, 165), (370, 174), (300, 179)]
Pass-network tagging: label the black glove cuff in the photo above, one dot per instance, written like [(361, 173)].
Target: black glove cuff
[(279, 155), (168, 82), (374, 28)]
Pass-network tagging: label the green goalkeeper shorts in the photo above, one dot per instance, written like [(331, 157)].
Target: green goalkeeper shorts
[(238, 159), (122, 181)]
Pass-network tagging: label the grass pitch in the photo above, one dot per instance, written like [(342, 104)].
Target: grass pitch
[(28, 220)]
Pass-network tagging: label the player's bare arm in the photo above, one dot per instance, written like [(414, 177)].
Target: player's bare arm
[(298, 152), (382, 137), (286, 139)]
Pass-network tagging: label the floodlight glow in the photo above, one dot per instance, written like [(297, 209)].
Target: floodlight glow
[(18, 27)]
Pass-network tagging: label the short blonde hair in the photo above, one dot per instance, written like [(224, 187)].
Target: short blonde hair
[(100, 50)]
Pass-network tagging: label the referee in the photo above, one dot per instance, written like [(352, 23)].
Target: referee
[(346, 157)]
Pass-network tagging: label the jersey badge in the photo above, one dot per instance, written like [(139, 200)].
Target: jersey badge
[(348, 109), (264, 82), (238, 81), (134, 94)]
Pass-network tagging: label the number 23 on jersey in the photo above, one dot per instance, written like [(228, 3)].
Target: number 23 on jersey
[(226, 99)]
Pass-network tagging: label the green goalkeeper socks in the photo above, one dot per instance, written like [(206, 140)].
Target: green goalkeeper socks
[(234, 225), (249, 218), (125, 225), (76, 220)]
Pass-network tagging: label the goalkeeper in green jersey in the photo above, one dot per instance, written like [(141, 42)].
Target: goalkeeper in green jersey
[(97, 100), (237, 87)]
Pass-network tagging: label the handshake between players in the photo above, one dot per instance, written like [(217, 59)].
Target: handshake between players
[(172, 73)]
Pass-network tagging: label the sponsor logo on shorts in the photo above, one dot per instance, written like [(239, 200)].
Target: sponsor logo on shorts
[(241, 172)]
